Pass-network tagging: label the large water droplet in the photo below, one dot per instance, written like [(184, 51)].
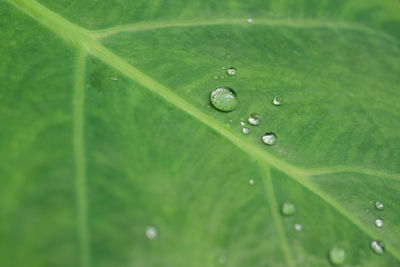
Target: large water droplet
[(151, 232), (223, 99), (379, 205), (277, 101), (231, 71), (298, 227), (379, 223), (254, 119), (337, 256), (245, 130), (378, 247), (269, 138), (288, 209)]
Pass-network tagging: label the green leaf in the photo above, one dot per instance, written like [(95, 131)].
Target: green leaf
[(111, 154)]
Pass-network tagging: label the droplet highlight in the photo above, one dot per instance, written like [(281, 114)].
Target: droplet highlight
[(379, 205), (254, 119), (379, 223), (245, 130), (337, 256), (298, 227), (231, 71), (151, 232), (269, 138), (288, 209), (277, 101), (223, 99), (378, 247)]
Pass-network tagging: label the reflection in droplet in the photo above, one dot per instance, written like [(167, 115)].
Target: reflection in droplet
[(245, 130), (379, 223), (254, 119), (277, 101), (288, 209), (231, 71), (379, 205), (151, 232), (337, 256), (298, 227), (223, 99), (269, 138), (378, 247)]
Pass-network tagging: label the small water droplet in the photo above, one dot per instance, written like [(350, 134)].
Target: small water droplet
[(231, 71), (251, 182), (378, 247), (224, 68), (254, 119), (288, 209), (245, 130), (228, 55), (379, 205), (298, 227), (277, 100), (151, 232), (379, 223), (222, 77), (250, 20), (215, 77), (223, 99), (269, 138), (114, 78), (337, 256), (242, 123)]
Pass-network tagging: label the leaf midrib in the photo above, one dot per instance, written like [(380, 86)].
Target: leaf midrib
[(86, 39)]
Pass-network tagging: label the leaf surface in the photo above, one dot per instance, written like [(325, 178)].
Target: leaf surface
[(107, 130)]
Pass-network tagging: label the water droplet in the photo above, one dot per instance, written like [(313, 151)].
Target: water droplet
[(269, 138), (251, 182), (379, 205), (215, 77), (242, 123), (379, 223), (250, 20), (114, 78), (222, 77), (378, 247), (337, 256), (288, 209), (228, 55), (151, 232), (298, 227), (277, 100), (224, 68), (223, 99), (254, 119), (245, 130), (231, 71)]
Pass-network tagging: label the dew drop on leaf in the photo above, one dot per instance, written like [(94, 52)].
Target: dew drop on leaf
[(223, 99), (215, 77), (269, 138), (379, 223), (378, 247), (251, 182), (222, 77), (288, 209), (379, 205), (151, 232), (337, 256), (250, 20), (114, 78), (231, 71), (254, 119), (277, 101), (245, 130), (242, 123)]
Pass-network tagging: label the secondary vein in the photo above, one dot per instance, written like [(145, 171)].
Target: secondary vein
[(80, 158)]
